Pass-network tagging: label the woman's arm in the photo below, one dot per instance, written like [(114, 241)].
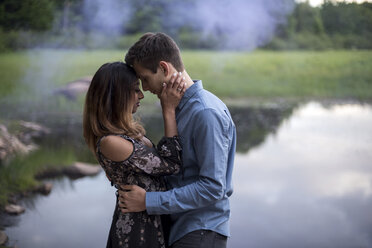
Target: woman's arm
[(170, 97), (121, 150)]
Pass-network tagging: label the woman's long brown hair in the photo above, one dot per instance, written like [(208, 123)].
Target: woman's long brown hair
[(107, 109)]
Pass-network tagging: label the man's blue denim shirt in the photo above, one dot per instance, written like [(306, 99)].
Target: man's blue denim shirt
[(198, 198)]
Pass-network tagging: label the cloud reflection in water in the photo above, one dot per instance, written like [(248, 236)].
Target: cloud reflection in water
[(310, 185)]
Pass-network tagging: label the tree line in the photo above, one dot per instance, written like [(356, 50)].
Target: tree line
[(64, 23), (332, 25)]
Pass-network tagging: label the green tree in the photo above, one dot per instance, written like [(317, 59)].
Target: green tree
[(68, 13), (147, 16), (306, 19), (347, 18), (26, 14)]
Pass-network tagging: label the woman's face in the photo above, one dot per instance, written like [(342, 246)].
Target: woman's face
[(137, 96)]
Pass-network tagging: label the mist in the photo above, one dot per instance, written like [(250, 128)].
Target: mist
[(239, 24), (108, 16), (243, 25)]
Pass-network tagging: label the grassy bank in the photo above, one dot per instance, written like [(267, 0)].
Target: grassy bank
[(63, 146), (17, 177), (261, 74), (333, 74)]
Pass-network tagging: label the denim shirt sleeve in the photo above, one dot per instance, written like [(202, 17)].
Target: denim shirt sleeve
[(210, 141)]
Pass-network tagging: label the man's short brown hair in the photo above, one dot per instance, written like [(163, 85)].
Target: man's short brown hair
[(152, 48)]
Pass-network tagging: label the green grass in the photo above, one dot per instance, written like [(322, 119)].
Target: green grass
[(302, 74), (18, 175), (260, 74)]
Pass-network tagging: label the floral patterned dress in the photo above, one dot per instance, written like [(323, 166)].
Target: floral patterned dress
[(145, 168)]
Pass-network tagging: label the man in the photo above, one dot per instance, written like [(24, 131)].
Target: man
[(198, 199)]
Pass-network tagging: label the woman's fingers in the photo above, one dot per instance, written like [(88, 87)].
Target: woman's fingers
[(163, 90), (175, 86), (172, 80), (178, 83), (176, 79)]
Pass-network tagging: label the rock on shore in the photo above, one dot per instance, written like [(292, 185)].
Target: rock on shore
[(30, 130), (14, 209), (11, 145), (76, 170), (21, 141), (44, 188), (3, 238), (79, 169), (74, 88)]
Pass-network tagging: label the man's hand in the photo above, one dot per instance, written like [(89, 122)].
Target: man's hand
[(132, 198)]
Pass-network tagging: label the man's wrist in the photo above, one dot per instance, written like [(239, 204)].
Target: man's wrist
[(144, 202), (151, 202)]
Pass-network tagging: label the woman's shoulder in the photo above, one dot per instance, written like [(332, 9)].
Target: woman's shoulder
[(116, 147)]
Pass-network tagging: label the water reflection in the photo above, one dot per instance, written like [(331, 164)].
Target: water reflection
[(303, 180), (253, 124), (76, 214), (310, 185)]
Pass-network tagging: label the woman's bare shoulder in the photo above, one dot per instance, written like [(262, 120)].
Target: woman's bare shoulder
[(116, 148)]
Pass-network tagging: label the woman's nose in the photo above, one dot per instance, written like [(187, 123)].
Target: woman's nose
[(141, 96)]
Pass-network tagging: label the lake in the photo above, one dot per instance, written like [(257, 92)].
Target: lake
[(302, 178)]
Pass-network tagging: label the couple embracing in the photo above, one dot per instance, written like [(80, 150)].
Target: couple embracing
[(175, 193)]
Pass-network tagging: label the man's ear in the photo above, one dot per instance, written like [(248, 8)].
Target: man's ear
[(164, 67)]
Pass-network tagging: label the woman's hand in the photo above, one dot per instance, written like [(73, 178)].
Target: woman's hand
[(172, 92)]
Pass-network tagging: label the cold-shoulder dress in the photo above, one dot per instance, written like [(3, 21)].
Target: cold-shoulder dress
[(145, 167)]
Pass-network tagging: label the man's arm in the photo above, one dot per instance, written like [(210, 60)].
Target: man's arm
[(211, 141)]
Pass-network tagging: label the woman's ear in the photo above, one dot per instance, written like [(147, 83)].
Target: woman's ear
[(164, 67)]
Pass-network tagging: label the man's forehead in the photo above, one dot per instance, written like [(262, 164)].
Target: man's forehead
[(140, 70)]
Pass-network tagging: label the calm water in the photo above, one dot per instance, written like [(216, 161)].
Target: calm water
[(305, 181)]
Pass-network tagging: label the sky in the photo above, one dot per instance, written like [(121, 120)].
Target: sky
[(318, 2)]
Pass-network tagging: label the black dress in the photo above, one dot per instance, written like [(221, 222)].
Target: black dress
[(145, 168)]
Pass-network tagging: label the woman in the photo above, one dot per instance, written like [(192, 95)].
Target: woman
[(124, 152)]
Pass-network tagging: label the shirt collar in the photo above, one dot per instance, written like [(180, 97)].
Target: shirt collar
[(190, 92)]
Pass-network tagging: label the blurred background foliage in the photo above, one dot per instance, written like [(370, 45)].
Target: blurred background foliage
[(62, 24)]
